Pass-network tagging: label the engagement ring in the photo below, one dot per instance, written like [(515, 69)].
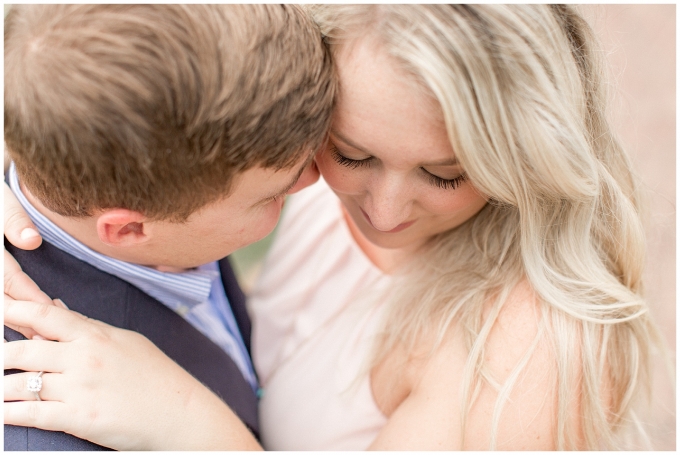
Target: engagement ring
[(34, 385)]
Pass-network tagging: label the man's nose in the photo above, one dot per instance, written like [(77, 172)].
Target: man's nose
[(308, 177)]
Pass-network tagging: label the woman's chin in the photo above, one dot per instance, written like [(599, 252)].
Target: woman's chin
[(391, 241)]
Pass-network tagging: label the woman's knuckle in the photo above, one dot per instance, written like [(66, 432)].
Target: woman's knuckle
[(92, 415), (10, 280), (19, 383), (98, 336), (94, 362), (14, 219), (14, 351), (33, 413), (42, 311)]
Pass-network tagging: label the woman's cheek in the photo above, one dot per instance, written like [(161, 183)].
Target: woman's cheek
[(338, 177), (447, 202)]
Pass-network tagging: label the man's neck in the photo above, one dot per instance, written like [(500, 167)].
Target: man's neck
[(84, 230)]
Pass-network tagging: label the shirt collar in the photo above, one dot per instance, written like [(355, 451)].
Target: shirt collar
[(175, 290)]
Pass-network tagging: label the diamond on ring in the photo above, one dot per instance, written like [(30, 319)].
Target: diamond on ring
[(34, 384)]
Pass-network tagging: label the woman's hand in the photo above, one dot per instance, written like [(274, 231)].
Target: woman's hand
[(111, 386), (22, 233), (19, 229), (19, 286)]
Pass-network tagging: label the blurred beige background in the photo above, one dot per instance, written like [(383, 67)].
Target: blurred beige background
[(640, 44)]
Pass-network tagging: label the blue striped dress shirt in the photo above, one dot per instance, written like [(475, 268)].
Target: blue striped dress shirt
[(197, 295)]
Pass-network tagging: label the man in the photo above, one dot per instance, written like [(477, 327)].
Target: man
[(148, 143)]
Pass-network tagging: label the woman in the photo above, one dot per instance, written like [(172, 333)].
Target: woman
[(479, 287)]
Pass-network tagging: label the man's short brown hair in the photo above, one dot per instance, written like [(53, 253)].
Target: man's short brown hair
[(155, 108)]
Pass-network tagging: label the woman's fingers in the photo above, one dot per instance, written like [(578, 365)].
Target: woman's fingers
[(51, 322), (19, 229), (16, 387), (35, 355), (47, 415), (20, 286)]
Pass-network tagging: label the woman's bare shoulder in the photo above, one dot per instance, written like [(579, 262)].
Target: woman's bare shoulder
[(520, 358), (430, 415)]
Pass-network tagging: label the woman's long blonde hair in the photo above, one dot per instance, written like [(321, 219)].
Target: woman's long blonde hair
[(521, 94)]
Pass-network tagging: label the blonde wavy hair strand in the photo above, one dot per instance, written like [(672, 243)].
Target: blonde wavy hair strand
[(524, 105)]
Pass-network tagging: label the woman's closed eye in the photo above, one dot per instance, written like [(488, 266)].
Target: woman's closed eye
[(434, 180), (446, 184), (348, 162)]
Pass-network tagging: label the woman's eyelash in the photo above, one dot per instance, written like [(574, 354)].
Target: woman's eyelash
[(445, 184), (348, 162)]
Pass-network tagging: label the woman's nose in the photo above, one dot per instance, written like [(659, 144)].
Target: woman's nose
[(388, 203)]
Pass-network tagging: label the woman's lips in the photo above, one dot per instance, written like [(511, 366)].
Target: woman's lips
[(399, 228)]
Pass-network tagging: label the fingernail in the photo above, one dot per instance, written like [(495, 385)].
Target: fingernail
[(38, 337), (60, 303), (29, 233)]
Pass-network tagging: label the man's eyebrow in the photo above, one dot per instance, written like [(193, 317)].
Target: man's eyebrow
[(446, 162)]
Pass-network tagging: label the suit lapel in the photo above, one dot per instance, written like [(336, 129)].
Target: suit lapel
[(237, 300)]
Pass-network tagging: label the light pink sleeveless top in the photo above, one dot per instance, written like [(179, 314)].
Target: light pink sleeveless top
[(315, 310)]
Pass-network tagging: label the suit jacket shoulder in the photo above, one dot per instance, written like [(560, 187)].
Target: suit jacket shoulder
[(105, 297)]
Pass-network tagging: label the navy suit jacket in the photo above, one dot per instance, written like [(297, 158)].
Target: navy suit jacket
[(107, 298)]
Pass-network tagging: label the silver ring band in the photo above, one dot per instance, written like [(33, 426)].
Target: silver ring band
[(34, 385)]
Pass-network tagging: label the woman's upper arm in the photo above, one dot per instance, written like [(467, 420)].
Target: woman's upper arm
[(430, 417)]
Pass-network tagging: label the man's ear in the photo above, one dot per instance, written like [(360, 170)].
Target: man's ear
[(121, 228)]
